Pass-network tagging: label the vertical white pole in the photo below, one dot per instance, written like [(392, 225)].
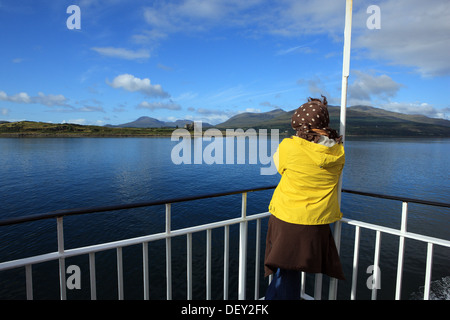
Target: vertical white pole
[(343, 117), (376, 269), (426, 294), (242, 250), (257, 247), (355, 263), (189, 266), (401, 251), (29, 281), (318, 286), (208, 264), (92, 276), (62, 264), (226, 255), (168, 253), (346, 64), (120, 273), (145, 270)]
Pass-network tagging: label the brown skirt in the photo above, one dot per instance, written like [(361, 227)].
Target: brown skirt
[(308, 248)]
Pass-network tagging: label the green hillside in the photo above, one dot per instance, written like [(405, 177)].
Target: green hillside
[(361, 121), (43, 129)]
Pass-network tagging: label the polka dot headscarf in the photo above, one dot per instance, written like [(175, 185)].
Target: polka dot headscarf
[(311, 120)]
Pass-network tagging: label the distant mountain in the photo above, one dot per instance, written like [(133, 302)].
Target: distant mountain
[(143, 122), (361, 121), (251, 119), (148, 122)]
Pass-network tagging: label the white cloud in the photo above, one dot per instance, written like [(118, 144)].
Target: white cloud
[(122, 53), (199, 15), (270, 105), (414, 33), (317, 88), (417, 108), (4, 111), (209, 112), (367, 86), (286, 18), (47, 100), (50, 100), (87, 108), (251, 110), (76, 121), (215, 116), (212, 116), (293, 50), (131, 83), (293, 18), (159, 105), (83, 121)]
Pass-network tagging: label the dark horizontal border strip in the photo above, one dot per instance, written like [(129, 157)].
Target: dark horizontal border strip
[(78, 211)]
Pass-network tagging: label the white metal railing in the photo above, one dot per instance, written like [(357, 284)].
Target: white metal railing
[(403, 234), (61, 254)]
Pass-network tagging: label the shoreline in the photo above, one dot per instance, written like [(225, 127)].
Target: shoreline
[(192, 135)]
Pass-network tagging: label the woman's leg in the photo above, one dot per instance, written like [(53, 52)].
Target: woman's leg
[(285, 285)]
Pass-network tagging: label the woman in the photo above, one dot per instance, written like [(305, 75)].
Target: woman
[(304, 203)]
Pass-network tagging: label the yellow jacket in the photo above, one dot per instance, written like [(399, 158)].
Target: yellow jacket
[(308, 190)]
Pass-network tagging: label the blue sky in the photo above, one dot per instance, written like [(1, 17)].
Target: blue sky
[(212, 59)]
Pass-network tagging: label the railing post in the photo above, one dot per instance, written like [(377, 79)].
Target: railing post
[(303, 284), (62, 265), (120, 273), (226, 257), (355, 263), (257, 252), (92, 276), (189, 265), (376, 274), (426, 291), (318, 286), (145, 271), (168, 254), (29, 281), (242, 249), (337, 239), (401, 250), (208, 264)]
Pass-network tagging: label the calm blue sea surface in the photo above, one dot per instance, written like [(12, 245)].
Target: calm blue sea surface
[(41, 175)]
